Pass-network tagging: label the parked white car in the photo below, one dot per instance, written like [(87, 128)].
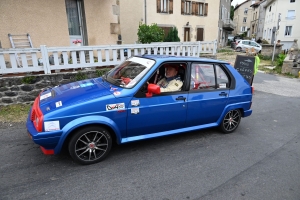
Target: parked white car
[(248, 44)]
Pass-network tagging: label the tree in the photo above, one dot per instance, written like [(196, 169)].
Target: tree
[(231, 12), (172, 36), (150, 33)]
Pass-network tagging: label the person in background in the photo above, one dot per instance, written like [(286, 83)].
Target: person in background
[(259, 41)]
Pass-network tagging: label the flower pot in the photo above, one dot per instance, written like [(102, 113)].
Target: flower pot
[(78, 44)]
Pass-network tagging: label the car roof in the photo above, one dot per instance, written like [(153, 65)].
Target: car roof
[(162, 58)]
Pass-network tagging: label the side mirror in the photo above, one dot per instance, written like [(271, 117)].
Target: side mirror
[(152, 89)]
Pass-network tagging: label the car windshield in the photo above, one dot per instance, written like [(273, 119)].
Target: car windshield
[(130, 72)]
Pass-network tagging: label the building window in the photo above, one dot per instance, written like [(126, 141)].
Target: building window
[(198, 8), (245, 19), (288, 31), (243, 28), (187, 8), (292, 1), (246, 11), (270, 8), (164, 6), (291, 14)]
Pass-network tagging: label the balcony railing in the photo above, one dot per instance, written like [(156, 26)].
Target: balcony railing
[(228, 25), (46, 59)]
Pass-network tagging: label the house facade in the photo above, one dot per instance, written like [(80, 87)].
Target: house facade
[(242, 17), (289, 28), (258, 19), (105, 22), (194, 20), (60, 22), (225, 25)]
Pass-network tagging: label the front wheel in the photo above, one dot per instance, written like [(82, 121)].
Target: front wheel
[(90, 145), (231, 121), (238, 49)]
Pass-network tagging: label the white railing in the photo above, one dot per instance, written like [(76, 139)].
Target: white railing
[(46, 59)]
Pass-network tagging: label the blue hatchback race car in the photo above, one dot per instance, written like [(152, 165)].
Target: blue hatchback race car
[(144, 97)]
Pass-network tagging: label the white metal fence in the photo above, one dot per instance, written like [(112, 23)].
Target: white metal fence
[(45, 59)]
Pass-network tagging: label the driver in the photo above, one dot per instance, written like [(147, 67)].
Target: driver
[(171, 82)]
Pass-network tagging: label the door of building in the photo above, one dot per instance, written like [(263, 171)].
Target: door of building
[(76, 21), (187, 34)]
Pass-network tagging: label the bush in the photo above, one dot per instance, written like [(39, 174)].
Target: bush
[(150, 33), (264, 41), (280, 59), (172, 36)]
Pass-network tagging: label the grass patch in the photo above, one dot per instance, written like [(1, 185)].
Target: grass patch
[(14, 113)]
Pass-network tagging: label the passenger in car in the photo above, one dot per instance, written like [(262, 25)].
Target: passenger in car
[(171, 82)]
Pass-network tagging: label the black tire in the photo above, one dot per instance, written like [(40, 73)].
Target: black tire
[(231, 121), (238, 49), (90, 145)]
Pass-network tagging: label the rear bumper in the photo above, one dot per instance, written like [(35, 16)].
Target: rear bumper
[(47, 140), (247, 113)]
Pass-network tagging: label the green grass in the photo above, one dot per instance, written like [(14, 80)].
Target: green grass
[(14, 113)]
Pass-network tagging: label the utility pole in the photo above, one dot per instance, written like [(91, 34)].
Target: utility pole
[(277, 29)]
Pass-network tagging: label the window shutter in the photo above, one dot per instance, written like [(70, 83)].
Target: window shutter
[(206, 9), (200, 34), (197, 8), (171, 6), (182, 7), (158, 6), (193, 8)]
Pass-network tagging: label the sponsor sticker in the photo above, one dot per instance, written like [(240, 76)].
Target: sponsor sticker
[(135, 102), (135, 111), (117, 106), (52, 126), (74, 87), (86, 84), (117, 93), (222, 85), (44, 96), (58, 104)]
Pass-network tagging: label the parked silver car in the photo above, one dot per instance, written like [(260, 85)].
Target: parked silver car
[(248, 44)]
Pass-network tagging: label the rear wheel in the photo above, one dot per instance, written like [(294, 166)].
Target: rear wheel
[(231, 121), (90, 145), (238, 49)]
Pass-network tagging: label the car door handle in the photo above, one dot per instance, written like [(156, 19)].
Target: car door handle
[(223, 94), (181, 98)]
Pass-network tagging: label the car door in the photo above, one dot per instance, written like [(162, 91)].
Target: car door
[(208, 95), (156, 114)]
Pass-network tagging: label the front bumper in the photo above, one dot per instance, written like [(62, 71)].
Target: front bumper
[(47, 140)]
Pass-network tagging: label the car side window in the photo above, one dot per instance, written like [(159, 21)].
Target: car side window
[(222, 78), (254, 44), (202, 77)]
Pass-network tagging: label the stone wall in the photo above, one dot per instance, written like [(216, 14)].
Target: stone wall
[(290, 67), (267, 49), (24, 89)]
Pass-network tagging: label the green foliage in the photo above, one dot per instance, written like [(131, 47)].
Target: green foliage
[(150, 33), (280, 59), (28, 80), (101, 72), (264, 41), (172, 36), (263, 57), (223, 50), (231, 12), (80, 76)]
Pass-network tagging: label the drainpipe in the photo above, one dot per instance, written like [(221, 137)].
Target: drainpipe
[(145, 2)]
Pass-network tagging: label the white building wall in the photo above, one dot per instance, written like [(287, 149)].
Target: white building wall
[(271, 19)]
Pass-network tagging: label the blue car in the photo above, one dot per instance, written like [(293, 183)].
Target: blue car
[(138, 100)]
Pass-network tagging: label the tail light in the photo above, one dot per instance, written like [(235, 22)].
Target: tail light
[(252, 89), (37, 116)]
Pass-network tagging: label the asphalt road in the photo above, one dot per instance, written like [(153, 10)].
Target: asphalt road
[(261, 160)]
